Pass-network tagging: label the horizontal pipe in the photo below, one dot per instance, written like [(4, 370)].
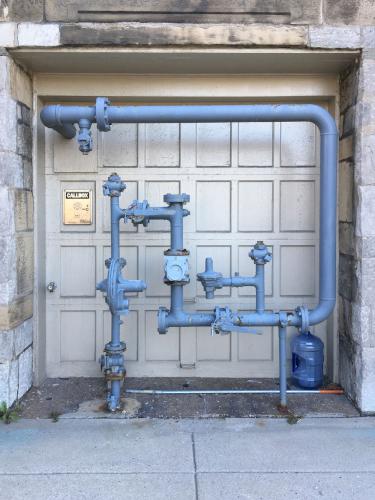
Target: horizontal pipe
[(182, 318), (234, 391), (55, 115), (239, 281)]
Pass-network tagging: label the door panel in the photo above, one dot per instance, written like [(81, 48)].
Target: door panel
[(247, 182)]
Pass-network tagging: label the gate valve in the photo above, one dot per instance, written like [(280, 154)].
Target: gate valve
[(260, 253), (210, 279), (224, 323), (136, 215)]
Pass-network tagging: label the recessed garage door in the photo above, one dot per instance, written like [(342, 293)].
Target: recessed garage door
[(247, 182)]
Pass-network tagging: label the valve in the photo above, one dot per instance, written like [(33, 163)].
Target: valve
[(210, 279), (260, 253), (136, 219), (224, 323), (84, 136), (176, 269), (114, 185), (115, 287), (112, 362)]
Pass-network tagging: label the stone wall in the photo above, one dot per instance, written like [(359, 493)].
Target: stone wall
[(16, 232), (277, 23), (348, 347), (362, 318), (357, 230)]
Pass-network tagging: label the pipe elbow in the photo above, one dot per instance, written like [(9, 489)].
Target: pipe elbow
[(323, 119), (322, 311), (50, 117)]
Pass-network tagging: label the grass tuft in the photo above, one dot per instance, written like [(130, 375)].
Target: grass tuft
[(9, 414)]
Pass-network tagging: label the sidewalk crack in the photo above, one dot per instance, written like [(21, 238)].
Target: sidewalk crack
[(195, 465)]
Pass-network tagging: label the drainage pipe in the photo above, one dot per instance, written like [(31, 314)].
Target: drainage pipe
[(282, 365), (64, 118)]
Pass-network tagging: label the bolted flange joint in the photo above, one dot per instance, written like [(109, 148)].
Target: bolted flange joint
[(162, 320), (176, 198), (303, 313), (101, 113)]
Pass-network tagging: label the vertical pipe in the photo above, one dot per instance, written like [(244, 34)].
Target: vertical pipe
[(177, 298), (115, 394), (115, 229), (115, 319), (177, 238), (282, 365), (177, 244), (260, 291)]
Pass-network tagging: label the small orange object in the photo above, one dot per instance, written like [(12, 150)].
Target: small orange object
[(331, 391)]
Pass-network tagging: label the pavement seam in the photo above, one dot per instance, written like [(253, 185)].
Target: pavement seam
[(154, 473), (195, 465), (285, 472), (326, 473)]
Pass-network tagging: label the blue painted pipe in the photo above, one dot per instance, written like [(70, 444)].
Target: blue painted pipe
[(171, 214), (115, 288), (282, 366), (212, 280)]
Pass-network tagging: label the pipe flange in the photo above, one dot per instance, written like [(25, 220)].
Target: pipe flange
[(303, 313), (181, 253), (109, 349), (101, 111), (162, 320), (176, 198), (283, 318)]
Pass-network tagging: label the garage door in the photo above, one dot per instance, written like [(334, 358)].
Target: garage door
[(247, 182)]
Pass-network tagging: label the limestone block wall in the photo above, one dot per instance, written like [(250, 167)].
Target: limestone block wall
[(16, 231)]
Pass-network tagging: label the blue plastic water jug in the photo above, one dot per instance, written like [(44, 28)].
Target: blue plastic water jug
[(307, 360)]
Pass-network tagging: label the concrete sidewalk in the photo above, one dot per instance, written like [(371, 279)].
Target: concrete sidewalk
[(332, 458)]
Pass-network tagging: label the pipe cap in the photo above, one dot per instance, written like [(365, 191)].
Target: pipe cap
[(176, 198)]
